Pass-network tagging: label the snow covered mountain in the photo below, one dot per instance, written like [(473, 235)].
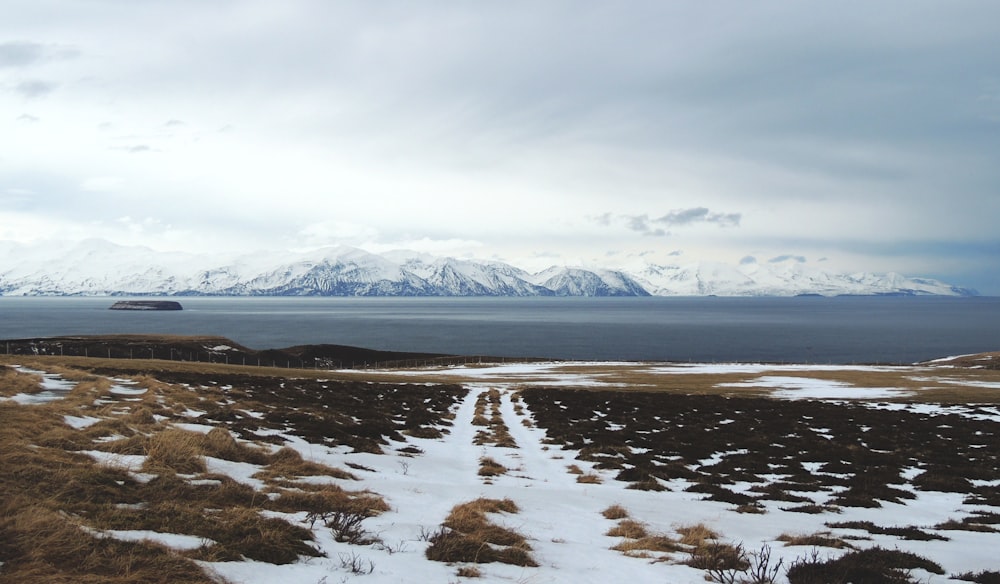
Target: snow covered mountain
[(97, 267), (785, 278)]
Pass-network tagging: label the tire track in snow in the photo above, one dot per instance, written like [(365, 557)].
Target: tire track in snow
[(557, 513)]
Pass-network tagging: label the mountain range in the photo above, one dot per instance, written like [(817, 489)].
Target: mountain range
[(101, 268)]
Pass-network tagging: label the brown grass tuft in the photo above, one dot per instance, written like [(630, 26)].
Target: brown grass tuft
[(821, 539), (615, 512), (628, 528), (653, 543), (288, 463), (13, 382), (490, 468), (469, 572), (467, 535), (696, 535), (174, 450)]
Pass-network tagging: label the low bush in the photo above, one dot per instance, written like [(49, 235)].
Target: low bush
[(870, 565), (983, 577)]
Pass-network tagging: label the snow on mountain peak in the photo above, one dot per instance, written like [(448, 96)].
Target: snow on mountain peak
[(99, 267)]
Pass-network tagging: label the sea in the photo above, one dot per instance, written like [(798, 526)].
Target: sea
[(837, 330)]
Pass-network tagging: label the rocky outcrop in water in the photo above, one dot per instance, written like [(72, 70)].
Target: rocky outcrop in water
[(146, 305)]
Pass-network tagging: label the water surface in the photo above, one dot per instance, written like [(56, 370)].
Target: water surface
[(805, 329)]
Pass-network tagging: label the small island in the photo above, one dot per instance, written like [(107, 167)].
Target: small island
[(146, 305)]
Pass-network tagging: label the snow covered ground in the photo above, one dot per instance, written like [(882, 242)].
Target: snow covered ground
[(561, 517), (563, 521)]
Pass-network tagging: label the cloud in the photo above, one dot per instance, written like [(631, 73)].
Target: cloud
[(640, 223), (699, 215), (787, 257), (27, 118), (20, 54), (764, 131), (35, 88), (636, 222), (676, 218), (747, 260), (27, 53), (604, 219)]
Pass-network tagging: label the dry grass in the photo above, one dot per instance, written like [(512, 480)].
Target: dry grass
[(47, 492), (467, 535), (590, 479), (820, 539), (490, 468), (629, 529), (696, 535), (650, 378), (469, 572), (615, 512), (288, 463), (715, 555), (621, 377), (179, 451), (653, 543), (637, 541), (488, 415), (13, 382), (59, 491), (40, 545)]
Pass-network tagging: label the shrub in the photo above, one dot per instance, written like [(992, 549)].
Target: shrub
[(871, 565), (983, 577), (714, 556), (345, 525)]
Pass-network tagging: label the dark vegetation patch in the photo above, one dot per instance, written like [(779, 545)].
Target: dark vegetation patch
[(364, 416), (983, 577), (870, 565), (214, 349), (910, 532), (820, 456)]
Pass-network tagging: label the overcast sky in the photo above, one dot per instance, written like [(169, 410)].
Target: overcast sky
[(849, 135)]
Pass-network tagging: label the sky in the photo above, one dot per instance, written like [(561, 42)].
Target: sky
[(849, 136)]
